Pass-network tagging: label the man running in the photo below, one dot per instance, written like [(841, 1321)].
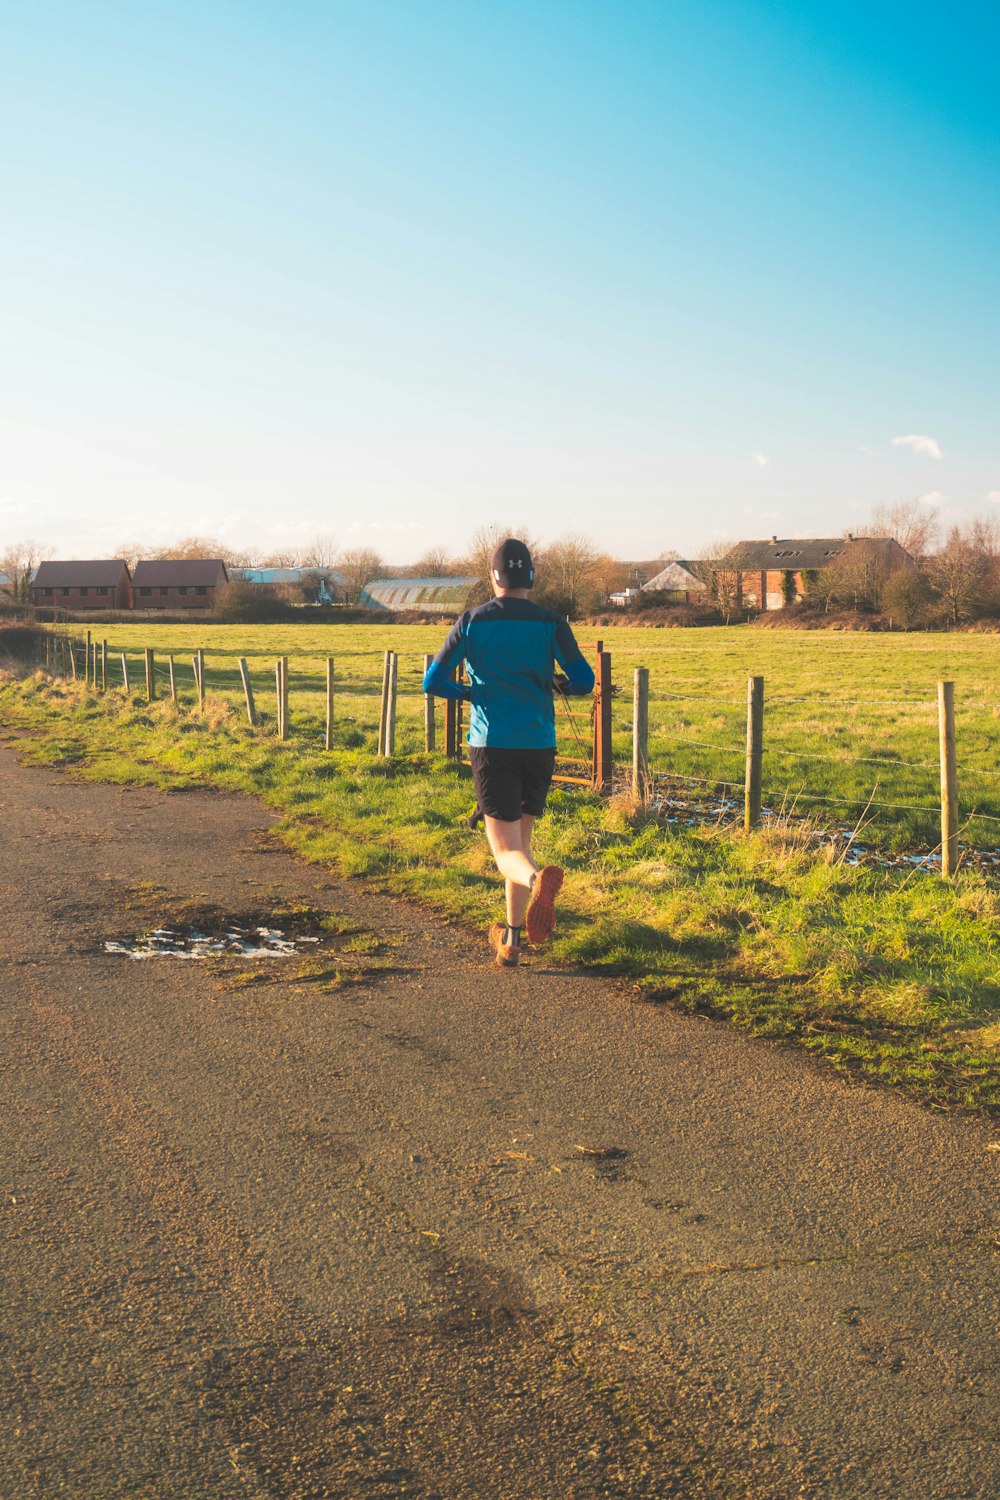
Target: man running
[(511, 647)]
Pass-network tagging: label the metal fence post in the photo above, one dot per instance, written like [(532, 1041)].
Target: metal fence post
[(328, 737), (640, 733), (755, 752), (949, 779)]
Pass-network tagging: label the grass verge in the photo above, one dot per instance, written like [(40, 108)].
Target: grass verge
[(888, 976)]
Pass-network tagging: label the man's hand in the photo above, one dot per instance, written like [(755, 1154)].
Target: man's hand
[(560, 683)]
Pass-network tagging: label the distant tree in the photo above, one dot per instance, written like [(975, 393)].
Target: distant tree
[(19, 563), (249, 603), (962, 572), (612, 576), (435, 563), (187, 548), (719, 571), (857, 577), (568, 575), (190, 547), (321, 553), (359, 565), (907, 522), (910, 598)]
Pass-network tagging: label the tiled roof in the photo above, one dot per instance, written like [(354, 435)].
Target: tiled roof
[(103, 573), (800, 552), (174, 572)]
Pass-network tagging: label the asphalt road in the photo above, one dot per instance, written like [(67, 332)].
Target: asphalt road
[(444, 1230)]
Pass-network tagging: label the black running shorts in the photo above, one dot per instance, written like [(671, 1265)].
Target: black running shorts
[(510, 783)]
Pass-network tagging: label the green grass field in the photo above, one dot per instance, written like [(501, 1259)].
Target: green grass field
[(848, 718), (888, 974)]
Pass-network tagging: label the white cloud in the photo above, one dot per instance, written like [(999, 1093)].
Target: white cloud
[(993, 496), (933, 498), (759, 458), (920, 443)]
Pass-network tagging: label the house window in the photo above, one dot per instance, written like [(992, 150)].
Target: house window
[(64, 593), (145, 591), (164, 592), (47, 593), (200, 589), (84, 592), (102, 591), (182, 589)]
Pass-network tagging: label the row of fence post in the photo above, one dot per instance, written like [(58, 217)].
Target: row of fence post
[(60, 652)]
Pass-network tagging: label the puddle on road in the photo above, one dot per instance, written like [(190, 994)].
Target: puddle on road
[(188, 941)]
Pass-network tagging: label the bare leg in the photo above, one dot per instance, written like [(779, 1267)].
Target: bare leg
[(511, 846)]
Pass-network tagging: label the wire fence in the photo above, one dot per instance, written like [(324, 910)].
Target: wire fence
[(878, 780)]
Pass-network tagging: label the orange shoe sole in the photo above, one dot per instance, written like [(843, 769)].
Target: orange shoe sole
[(541, 914)]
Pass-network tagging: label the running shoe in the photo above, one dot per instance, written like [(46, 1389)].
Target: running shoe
[(507, 954), (541, 916)]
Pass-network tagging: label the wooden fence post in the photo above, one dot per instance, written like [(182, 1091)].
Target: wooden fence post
[(390, 718), (150, 676), (755, 752), (284, 698), (72, 659), (640, 734), (430, 724), (248, 692), (949, 779), (86, 667), (173, 680), (104, 666), (201, 678), (328, 737), (383, 712), (125, 672), (602, 722)]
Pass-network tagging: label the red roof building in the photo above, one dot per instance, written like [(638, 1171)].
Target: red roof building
[(101, 584), (178, 583)]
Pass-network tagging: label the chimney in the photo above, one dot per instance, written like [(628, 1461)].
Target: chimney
[(774, 539), (850, 536)]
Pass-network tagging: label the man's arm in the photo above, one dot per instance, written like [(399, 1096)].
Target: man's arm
[(579, 673), (437, 679)]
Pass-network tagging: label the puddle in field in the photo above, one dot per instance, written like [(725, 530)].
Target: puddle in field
[(188, 941)]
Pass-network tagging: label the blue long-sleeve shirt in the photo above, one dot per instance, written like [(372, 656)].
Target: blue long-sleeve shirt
[(511, 648)]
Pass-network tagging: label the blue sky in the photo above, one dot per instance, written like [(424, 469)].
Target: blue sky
[(658, 273)]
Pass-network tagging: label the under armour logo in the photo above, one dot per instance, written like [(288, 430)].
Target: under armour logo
[(515, 562)]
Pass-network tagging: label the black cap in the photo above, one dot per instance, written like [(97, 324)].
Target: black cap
[(511, 565)]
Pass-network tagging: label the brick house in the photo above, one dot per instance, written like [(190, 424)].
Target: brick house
[(775, 573), (178, 583), (101, 584)]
